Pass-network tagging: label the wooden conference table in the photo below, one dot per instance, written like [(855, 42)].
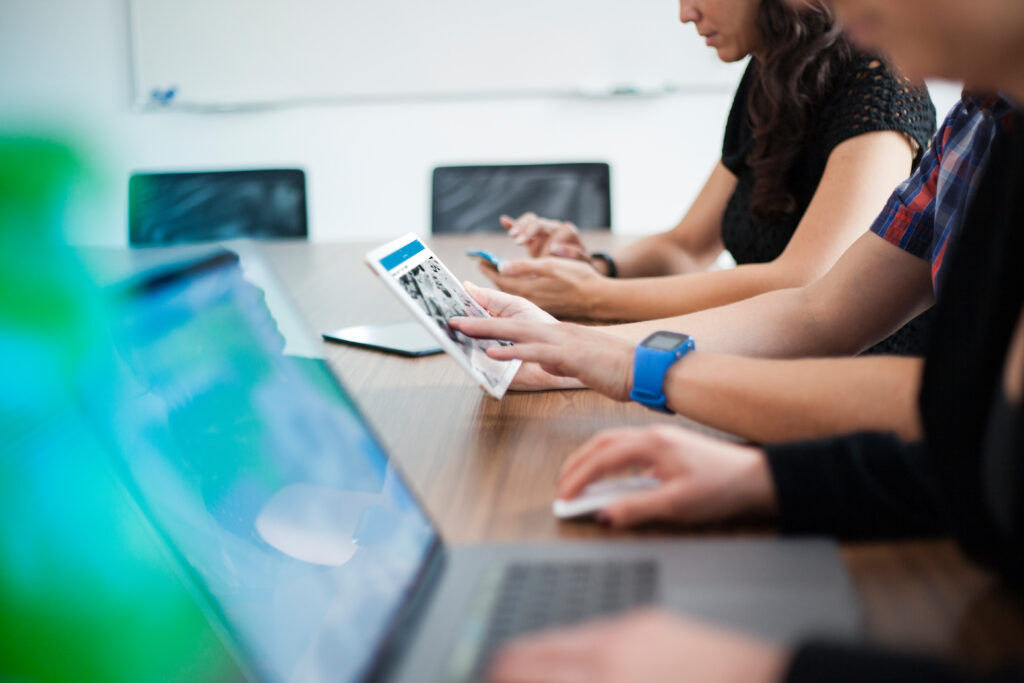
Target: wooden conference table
[(486, 469)]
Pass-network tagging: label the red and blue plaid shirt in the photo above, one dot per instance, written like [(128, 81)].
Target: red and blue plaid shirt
[(927, 210)]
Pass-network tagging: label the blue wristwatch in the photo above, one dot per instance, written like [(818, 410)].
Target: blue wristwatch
[(653, 357)]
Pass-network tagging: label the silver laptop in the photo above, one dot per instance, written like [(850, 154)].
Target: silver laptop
[(314, 557)]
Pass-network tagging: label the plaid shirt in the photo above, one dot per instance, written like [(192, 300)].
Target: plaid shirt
[(928, 208)]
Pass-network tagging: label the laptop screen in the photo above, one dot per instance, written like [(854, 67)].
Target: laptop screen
[(263, 477)]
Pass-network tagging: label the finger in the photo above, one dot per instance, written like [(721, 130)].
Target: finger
[(550, 357), (569, 654), (524, 287), (538, 246), (569, 251), (506, 222), (537, 228), (481, 295), (527, 232), (545, 659), (488, 272), (519, 223), (505, 328), (592, 445), (611, 455), (666, 502), (525, 268), (497, 303)]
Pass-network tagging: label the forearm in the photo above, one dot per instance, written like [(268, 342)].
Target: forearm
[(676, 295), (770, 401), (870, 293), (660, 254)]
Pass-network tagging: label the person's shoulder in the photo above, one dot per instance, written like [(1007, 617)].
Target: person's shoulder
[(870, 96), (974, 110), (869, 75)]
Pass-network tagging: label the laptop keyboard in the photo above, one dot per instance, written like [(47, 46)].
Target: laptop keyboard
[(519, 598)]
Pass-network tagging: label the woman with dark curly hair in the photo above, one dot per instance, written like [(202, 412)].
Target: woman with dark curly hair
[(818, 136)]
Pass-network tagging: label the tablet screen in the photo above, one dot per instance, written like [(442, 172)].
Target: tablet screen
[(424, 282)]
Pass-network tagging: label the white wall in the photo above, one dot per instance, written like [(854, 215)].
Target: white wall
[(64, 70)]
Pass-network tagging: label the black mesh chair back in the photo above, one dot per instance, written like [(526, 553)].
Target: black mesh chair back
[(471, 198), (178, 208)]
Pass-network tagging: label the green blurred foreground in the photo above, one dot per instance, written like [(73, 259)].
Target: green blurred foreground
[(86, 592)]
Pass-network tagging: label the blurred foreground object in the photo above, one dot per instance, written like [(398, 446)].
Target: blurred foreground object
[(85, 590)]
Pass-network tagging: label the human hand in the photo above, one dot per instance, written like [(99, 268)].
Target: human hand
[(652, 646), (599, 360), (559, 286), (546, 236), (530, 376), (702, 479), (508, 306)]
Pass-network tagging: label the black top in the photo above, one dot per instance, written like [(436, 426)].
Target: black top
[(966, 478), (868, 98)]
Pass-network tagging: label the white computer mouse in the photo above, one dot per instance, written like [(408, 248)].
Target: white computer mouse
[(600, 494)]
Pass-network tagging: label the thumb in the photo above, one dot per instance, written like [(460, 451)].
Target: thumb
[(480, 294), (523, 268), (645, 506), (568, 251), (495, 302)]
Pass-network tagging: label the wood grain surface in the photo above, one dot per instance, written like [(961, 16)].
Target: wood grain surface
[(486, 469)]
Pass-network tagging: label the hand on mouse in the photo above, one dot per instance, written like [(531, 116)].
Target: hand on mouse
[(702, 479), (652, 646)]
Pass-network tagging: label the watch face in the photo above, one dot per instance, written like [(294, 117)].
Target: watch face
[(665, 341)]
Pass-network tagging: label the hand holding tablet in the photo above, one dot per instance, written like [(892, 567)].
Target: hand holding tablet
[(435, 296)]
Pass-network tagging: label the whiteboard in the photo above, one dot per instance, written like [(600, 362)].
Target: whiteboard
[(251, 53)]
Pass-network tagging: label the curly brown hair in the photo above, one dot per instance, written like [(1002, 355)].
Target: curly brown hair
[(804, 52)]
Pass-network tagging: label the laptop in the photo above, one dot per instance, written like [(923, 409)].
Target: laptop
[(312, 554)]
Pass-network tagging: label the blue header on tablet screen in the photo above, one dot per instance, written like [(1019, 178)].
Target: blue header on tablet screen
[(396, 258)]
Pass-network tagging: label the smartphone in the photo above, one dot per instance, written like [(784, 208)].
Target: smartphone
[(407, 338), (494, 261)]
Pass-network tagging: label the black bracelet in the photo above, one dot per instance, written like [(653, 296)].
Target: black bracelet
[(613, 271)]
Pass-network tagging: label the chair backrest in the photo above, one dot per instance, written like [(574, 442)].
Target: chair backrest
[(471, 198), (176, 208)]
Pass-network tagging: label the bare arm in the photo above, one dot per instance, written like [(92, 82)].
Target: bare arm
[(860, 175), (759, 399), (692, 245), (871, 292), (784, 400)]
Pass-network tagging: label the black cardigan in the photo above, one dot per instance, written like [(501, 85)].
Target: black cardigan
[(967, 475)]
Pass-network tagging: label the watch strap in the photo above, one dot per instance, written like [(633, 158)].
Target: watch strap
[(613, 270), (649, 369)]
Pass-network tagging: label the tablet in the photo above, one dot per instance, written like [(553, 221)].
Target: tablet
[(435, 296), (406, 338)]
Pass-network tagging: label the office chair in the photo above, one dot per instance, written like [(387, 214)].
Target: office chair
[(471, 198), (178, 208)]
